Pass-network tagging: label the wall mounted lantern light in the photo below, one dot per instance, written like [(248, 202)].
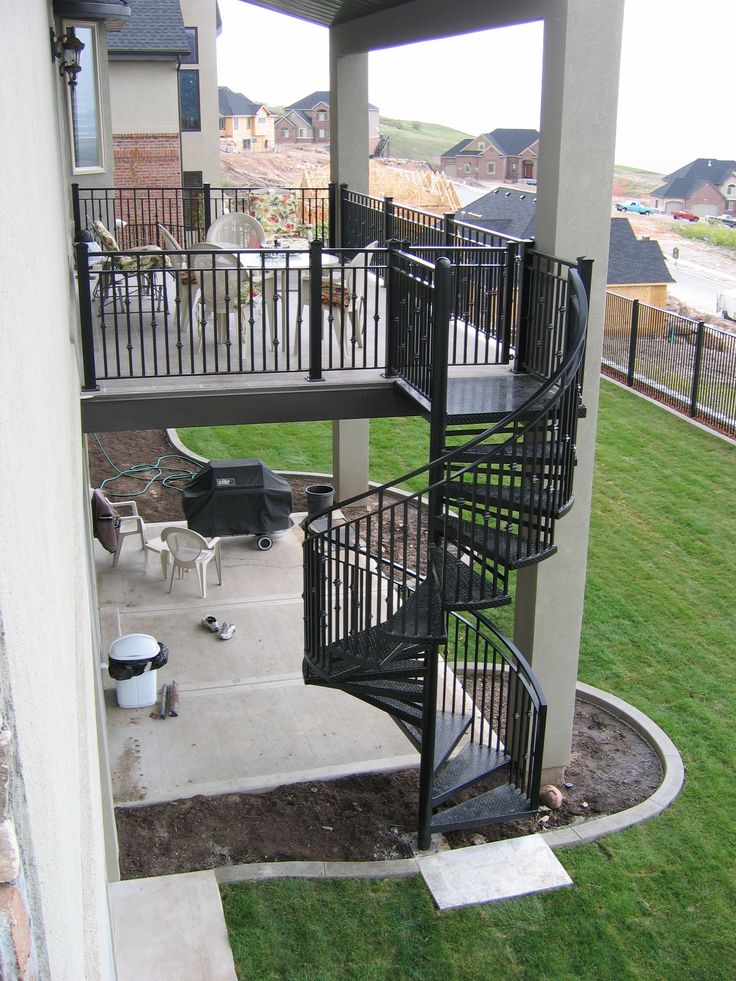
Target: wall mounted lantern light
[(67, 50)]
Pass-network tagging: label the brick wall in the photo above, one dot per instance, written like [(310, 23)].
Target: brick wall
[(147, 159)]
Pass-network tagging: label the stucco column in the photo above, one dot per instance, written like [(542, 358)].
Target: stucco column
[(579, 101), (349, 165), (349, 457)]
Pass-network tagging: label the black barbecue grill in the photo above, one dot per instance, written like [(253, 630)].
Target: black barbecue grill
[(238, 497)]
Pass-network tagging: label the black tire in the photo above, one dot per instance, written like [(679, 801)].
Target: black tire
[(264, 543)]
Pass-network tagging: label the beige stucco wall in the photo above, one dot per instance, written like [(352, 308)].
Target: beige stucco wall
[(47, 664), (201, 151), (144, 97)]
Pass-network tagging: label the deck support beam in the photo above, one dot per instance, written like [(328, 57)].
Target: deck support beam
[(579, 96)]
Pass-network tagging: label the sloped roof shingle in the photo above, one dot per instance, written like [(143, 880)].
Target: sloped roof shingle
[(236, 104), (683, 182), (512, 142), (155, 27)]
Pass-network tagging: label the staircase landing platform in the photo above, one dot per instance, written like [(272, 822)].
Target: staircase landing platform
[(492, 872), (480, 395)]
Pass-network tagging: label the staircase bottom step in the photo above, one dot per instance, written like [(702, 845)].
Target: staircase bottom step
[(501, 804)]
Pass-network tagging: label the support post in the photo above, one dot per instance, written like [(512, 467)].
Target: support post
[(207, 209), (76, 211), (388, 219), (697, 366), (332, 219), (632, 343), (315, 312), (85, 317), (508, 301)]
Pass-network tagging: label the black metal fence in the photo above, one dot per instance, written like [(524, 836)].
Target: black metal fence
[(135, 215), (686, 364)]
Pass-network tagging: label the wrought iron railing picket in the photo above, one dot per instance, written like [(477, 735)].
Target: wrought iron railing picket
[(686, 364)]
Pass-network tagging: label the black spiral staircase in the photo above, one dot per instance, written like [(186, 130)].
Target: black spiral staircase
[(399, 589)]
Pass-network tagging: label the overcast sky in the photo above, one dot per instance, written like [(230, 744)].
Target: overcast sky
[(677, 75)]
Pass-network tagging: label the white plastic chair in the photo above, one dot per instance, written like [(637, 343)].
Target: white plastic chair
[(130, 524), (222, 287), (190, 550), (236, 229)]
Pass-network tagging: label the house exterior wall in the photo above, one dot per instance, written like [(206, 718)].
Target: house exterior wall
[(200, 151), (507, 169), (144, 104), (706, 200), (374, 130), (653, 294), (48, 663)]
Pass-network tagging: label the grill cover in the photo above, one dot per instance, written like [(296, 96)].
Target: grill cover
[(237, 497)]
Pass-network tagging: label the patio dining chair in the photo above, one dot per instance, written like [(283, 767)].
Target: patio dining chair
[(222, 287), (343, 292), (131, 523), (139, 265), (236, 229), (190, 550)]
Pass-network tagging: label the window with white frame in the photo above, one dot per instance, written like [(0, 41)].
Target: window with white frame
[(261, 120), (285, 133), (481, 145), (84, 105), (321, 117), (491, 165), (467, 168), (321, 133), (302, 133)]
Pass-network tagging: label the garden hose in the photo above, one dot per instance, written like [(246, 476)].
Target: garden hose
[(150, 472)]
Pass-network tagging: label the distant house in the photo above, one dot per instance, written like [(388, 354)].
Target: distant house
[(636, 267), (705, 186), (249, 125), (163, 94), (308, 121), (508, 155)]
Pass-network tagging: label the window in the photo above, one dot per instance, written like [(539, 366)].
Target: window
[(481, 145), (321, 134), (192, 199), (84, 105), (467, 168), (285, 133), (491, 167), (222, 122), (189, 114), (261, 120), (236, 122), (731, 189), (321, 116), (193, 57), (246, 144), (302, 133)]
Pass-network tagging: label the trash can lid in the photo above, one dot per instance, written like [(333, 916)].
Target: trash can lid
[(134, 647)]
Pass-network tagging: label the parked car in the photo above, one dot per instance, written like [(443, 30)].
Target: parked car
[(729, 220), (635, 206), (685, 215)]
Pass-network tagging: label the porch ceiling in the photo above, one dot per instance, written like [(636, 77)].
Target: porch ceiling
[(328, 13)]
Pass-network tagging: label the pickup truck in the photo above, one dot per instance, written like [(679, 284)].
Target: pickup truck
[(635, 206)]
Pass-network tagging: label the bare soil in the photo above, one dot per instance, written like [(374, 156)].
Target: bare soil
[(361, 818)]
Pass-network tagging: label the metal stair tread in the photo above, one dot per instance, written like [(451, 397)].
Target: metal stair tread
[(420, 617), (473, 763), (508, 548), (449, 730), (500, 804), (463, 588), (410, 692)]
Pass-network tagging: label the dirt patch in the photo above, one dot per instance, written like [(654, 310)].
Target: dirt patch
[(361, 818), (372, 817)]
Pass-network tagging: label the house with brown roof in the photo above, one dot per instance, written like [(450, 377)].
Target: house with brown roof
[(308, 121), (704, 186), (508, 155)]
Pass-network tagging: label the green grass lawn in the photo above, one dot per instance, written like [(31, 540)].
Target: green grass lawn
[(655, 902), (413, 140)]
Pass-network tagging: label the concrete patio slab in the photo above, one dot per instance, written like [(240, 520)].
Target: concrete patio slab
[(170, 928), (246, 720), (492, 872)]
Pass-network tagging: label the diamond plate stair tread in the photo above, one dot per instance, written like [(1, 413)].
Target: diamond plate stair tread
[(488, 398), (411, 714), (411, 693), (472, 763), (508, 548), (364, 649), (450, 729), (463, 588), (500, 804), (420, 617), (514, 452), (513, 498)]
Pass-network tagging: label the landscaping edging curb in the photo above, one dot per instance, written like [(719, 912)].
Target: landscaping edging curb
[(587, 831)]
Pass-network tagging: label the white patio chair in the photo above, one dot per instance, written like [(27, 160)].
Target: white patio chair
[(222, 287), (236, 229), (190, 550), (131, 523)]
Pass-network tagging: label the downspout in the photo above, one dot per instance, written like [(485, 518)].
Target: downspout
[(178, 109)]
